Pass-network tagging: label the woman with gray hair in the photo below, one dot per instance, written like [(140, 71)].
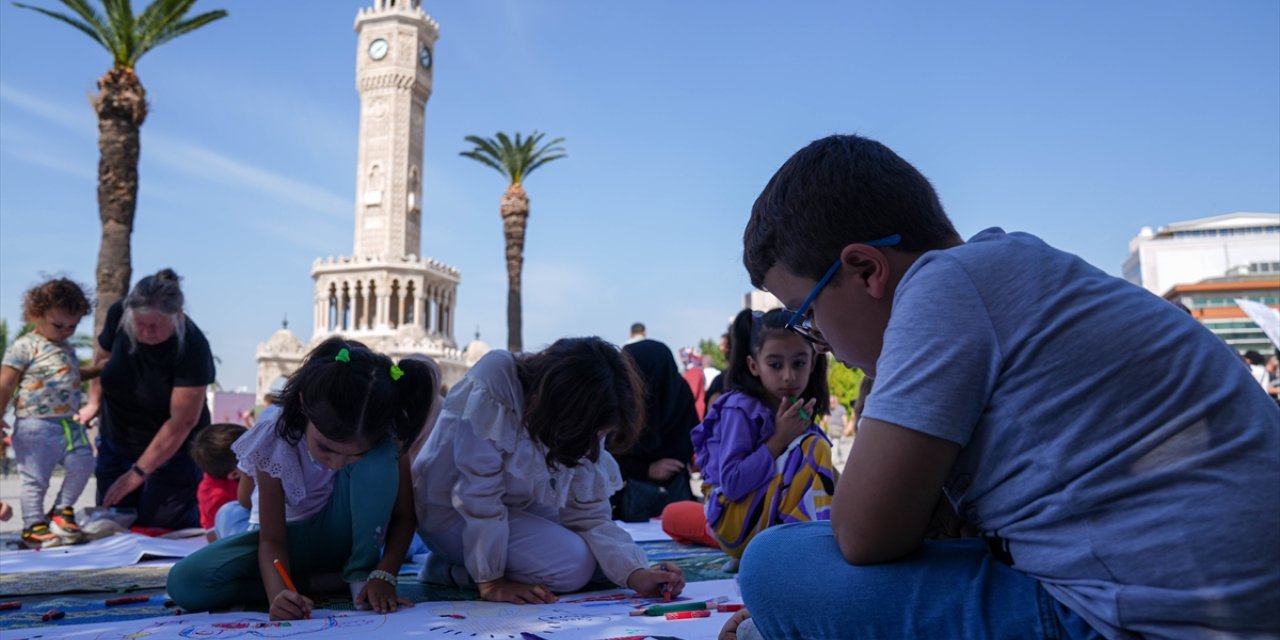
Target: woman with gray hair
[(150, 400)]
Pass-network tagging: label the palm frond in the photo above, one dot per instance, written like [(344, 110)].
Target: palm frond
[(515, 158), (175, 30), (160, 14), (485, 160), (85, 27), (120, 19)]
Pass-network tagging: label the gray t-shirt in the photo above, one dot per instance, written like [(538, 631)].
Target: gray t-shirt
[(1121, 449)]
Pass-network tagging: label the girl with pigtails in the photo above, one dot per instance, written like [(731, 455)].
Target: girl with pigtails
[(333, 488)]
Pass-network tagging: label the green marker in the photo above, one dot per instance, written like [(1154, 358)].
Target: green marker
[(801, 409), (663, 609)]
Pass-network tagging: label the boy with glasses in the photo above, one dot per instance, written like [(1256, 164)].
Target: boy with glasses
[(1112, 503)]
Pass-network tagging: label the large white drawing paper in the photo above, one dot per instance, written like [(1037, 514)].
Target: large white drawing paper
[(105, 553), (584, 616), (644, 531)]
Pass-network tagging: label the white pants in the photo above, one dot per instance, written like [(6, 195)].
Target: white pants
[(539, 551)]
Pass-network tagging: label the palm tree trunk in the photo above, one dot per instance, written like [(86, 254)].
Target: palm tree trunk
[(515, 217), (121, 105)]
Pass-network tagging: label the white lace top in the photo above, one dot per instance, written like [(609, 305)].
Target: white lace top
[(480, 462), (307, 483)]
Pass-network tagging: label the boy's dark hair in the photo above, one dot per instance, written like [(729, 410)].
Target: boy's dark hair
[(749, 331), (1254, 357), (356, 397), (576, 391), (637, 327), (838, 191), (211, 448), (59, 293)]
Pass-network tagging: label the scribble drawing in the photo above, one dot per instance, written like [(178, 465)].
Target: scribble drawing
[(249, 628)]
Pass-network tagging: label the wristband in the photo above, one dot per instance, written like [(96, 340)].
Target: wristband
[(138, 470), (385, 576)]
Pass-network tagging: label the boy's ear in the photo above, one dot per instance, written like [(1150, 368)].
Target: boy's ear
[(234, 475), (869, 265)]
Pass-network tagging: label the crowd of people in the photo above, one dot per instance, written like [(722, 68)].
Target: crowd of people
[(1030, 477)]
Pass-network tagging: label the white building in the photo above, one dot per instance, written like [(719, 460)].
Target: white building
[(1195, 250), (385, 294)]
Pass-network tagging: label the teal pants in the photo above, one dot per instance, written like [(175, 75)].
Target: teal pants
[(347, 536)]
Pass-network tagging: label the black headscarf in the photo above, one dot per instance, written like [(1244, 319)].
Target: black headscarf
[(670, 409)]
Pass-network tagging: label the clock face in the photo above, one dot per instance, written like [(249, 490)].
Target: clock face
[(378, 49), (424, 57)]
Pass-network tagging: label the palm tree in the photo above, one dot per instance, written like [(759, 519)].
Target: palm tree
[(121, 105), (515, 161)]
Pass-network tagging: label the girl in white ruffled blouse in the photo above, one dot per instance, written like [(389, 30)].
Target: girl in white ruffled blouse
[(512, 487), (333, 487)]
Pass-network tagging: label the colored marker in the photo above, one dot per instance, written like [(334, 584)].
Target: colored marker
[(111, 602), (801, 410), (729, 608), (686, 615), (5, 606), (53, 614), (666, 586), (659, 609), (284, 575), (288, 582)]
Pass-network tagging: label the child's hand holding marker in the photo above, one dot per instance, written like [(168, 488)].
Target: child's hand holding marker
[(288, 603), (665, 580), (792, 420)]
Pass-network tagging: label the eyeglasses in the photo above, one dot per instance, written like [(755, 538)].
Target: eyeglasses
[(800, 321)]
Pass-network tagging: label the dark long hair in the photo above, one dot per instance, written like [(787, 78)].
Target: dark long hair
[(748, 333), (358, 398), (577, 390)]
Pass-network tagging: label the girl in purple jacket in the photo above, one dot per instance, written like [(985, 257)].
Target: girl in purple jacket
[(764, 460)]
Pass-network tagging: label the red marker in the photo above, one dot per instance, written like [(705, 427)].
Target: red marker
[(729, 608), (53, 614), (126, 600), (685, 615), (5, 606)]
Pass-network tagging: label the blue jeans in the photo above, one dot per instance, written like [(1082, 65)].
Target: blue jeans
[(797, 584), (168, 497)]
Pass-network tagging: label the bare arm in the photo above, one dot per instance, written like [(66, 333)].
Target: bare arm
[(403, 522), (888, 491), (244, 491), (185, 406), (94, 404), (273, 545), (9, 378)]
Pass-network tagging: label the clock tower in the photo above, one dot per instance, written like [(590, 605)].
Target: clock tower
[(384, 294), (394, 44)]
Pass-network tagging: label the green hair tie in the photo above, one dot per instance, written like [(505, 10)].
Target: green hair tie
[(396, 372), (343, 355)]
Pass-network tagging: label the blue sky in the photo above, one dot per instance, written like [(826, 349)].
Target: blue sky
[(1079, 122)]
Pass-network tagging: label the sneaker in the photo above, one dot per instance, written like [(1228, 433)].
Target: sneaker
[(38, 536), (63, 523)]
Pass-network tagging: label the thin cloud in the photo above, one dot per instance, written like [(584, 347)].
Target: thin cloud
[(189, 158), (80, 121), (195, 160)]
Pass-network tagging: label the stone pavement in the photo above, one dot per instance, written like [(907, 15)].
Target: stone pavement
[(11, 492)]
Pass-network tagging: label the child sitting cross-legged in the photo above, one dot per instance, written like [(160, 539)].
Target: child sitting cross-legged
[(333, 488), (764, 460), (512, 487)]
